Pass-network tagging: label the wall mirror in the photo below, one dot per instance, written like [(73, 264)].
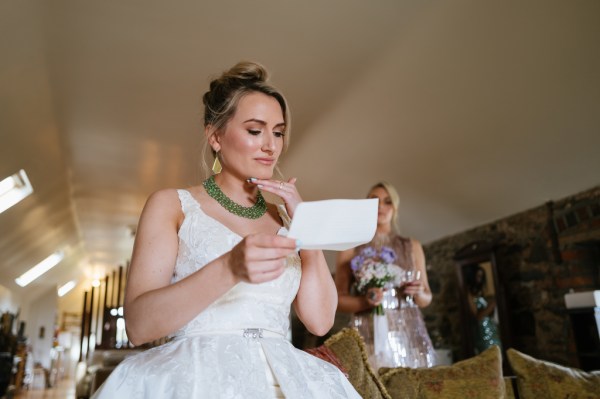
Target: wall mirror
[(482, 299)]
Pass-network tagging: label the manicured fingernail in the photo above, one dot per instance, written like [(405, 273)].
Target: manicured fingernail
[(259, 185), (252, 179), (298, 245)]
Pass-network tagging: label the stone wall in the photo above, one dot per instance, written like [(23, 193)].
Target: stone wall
[(543, 253)]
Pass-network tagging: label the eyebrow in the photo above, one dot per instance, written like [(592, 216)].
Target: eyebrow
[(385, 198), (263, 122)]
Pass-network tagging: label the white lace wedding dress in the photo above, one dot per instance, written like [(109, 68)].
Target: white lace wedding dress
[(220, 354)]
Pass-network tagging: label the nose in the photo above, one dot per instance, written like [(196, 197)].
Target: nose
[(268, 143)]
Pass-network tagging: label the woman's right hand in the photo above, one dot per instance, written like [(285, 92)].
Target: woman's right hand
[(259, 258), (374, 296)]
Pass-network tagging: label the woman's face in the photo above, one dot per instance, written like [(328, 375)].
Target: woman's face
[(385, 213), (252, 140), (479, 276)]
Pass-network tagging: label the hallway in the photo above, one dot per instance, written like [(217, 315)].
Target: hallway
[(65, 389)]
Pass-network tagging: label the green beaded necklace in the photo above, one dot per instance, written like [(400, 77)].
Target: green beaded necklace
[(252, 212)]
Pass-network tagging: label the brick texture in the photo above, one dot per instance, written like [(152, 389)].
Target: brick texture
[(534, 273)]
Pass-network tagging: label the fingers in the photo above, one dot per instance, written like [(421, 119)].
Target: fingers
[(266, 277), (261, 272), (260, 257), (415, 283), (285, 190), (270, 241), (276, 186), (413, 288), (264, 254), (374, 296)]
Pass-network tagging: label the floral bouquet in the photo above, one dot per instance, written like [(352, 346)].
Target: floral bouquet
[(373, 269)]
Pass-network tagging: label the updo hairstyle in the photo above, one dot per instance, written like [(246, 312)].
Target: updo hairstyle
[(221, 100)]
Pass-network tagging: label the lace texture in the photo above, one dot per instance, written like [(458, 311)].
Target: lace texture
[(209, 357)]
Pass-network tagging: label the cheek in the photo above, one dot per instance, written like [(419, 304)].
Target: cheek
[(279, 147), (242, 144), (389, 213), (249, 142)]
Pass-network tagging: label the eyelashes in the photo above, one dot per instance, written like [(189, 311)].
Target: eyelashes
[(257, 132)]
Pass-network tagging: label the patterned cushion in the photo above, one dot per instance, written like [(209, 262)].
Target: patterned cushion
[(349, 348), (510, 387), (478, 377), (325, 353), (543, 379)]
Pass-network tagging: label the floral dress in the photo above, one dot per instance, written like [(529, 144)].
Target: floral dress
[(395, 333)]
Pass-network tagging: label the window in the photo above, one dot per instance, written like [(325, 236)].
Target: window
[(13, 189)]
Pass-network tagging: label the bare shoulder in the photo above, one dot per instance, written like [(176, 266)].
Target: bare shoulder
[(416, 244), (164, 203), (164, 198), (417, 250), (196, 191)]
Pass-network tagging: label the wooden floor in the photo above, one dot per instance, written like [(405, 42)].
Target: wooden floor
[(65, 389)]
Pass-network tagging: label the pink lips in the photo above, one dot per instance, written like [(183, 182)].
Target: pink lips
[(266, 161)]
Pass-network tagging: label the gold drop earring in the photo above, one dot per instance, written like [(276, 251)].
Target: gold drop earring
[(216, 168)]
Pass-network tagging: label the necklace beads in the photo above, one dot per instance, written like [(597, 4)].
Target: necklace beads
[(251, 212)]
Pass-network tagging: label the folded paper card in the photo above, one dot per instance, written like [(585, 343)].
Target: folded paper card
[(334, 224)]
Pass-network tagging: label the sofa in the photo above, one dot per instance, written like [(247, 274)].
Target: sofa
[(479, 377)]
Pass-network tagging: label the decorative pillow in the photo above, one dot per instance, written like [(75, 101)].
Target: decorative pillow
[(324, 353), (543, 379), (349, 348), (510, 386), (478, 377)]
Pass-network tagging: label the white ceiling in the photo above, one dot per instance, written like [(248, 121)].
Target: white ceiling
[(474, 110)]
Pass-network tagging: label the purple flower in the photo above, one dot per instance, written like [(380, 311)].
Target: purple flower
[(356, 263), (368, 252), (387, 255)]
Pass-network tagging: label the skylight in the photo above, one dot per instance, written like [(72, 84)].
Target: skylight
[(66, 288), (13, 189), (40, 268)]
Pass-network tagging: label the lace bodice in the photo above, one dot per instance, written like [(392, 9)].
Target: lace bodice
[(202, 239), (212, 356)]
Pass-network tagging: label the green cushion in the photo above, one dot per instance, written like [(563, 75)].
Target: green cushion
[(542, 379), (478, 377), (349, 347)]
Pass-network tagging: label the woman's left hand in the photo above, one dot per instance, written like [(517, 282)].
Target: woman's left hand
[(412, 288), (286, 190)]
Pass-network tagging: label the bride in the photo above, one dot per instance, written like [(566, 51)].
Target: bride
[(213, 270)]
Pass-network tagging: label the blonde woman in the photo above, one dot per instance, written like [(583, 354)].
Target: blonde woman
[(212, 269), (388, 316)]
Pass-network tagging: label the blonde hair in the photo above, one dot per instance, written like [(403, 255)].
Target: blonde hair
[(226, 91), (391, 190)]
